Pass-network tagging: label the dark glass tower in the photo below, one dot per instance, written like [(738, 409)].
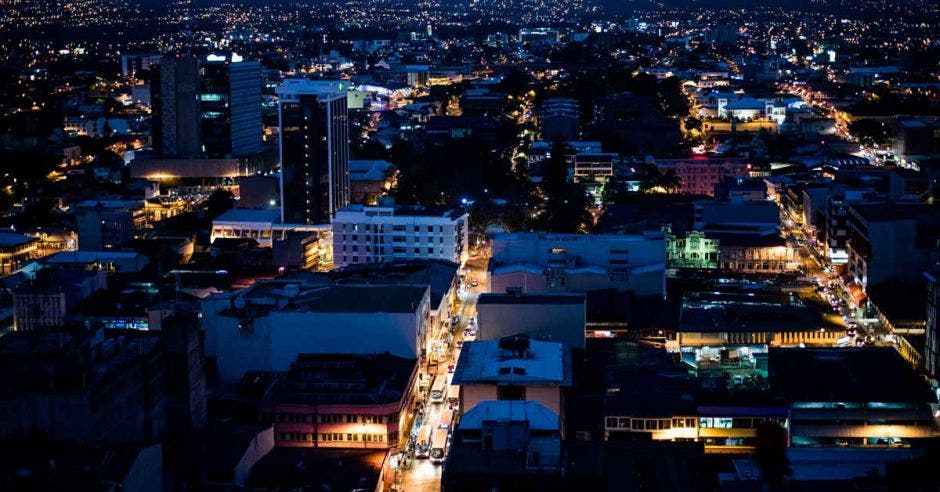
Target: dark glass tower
[(314, 150), (207, 107)]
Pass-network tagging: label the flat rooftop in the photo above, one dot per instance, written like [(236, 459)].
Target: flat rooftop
[(324, 379), (361, 299), (511, 298), (743, 317), (869, 374), (512, 361), (404, 211), (14, 240), (248, 215)]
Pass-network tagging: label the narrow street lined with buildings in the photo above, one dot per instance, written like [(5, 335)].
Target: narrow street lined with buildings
[(424, 474)]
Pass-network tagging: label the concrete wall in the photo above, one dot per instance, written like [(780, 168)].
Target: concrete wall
[(272, 342), (555, 322)]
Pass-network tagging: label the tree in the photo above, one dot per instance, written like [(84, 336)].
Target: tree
[(564, 204), (218, 202), (652, 180), (614, 192), (670, 181)]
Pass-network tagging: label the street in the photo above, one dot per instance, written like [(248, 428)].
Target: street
[(423, 474)]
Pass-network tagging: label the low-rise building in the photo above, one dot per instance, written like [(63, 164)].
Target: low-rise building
[(514, 368), (77, 387), (15, 251), (700, 175), (265, 227), (369, 179), (716, 321), (853, 397), (891, 242), (46, 300), (499, 443), (265, 326), (107, 224), (342, 401), (540, 262)]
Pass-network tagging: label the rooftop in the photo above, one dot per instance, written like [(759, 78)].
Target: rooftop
[(362, 299), (513, 298), (752, 316), (332, 88), (870, 374), (248, 215), (323, 379), (513, 361), (90, 256), (403, 211), (533, 412), (14, 240)]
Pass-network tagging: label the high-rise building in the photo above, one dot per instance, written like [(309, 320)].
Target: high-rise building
[(176, 107), (314, 150), (207, 107)]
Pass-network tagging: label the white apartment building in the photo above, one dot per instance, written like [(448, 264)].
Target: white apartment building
[(364, 234)]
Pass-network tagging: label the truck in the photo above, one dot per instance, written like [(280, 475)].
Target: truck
[(439, 389), (423, 442)]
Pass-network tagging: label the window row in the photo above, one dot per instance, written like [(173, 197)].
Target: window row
[(300, 418)]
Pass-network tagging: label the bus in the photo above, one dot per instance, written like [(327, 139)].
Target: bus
[(439, 445), (447, 418), (453, 394), (423, 443), (439, 389)]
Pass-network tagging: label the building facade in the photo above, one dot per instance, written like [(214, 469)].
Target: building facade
[(342, 401), (207, 107), (700, 175), (539, 262), (363, 234), (264, 327)]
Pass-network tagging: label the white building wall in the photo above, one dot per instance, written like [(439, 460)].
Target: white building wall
[(359, 237), (272, 342)]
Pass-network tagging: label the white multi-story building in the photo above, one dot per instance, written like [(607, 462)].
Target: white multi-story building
[(364, 234)]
